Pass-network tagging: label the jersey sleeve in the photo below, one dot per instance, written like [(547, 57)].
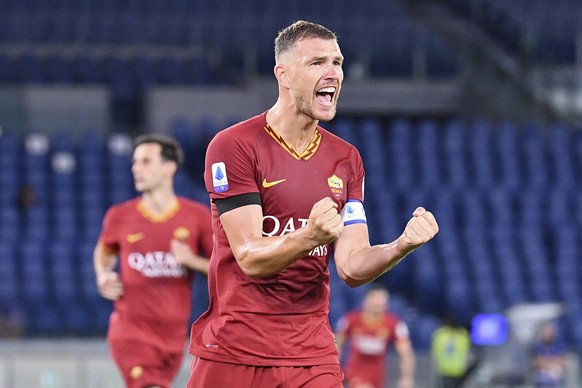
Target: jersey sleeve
[(109, 236), (205, 240), (356, 184), (229, 167)]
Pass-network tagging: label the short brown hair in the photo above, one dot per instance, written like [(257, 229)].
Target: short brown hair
[(300, 30), (171, 149)]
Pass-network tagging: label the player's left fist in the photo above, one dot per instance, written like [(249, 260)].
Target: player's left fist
[(181, 251), (422, 227)]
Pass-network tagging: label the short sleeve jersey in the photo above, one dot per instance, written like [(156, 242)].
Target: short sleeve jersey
[(369, 342), (280, 320), (156, 288)]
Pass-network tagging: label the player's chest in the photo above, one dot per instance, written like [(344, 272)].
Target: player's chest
[(153, 236), (300, 183)]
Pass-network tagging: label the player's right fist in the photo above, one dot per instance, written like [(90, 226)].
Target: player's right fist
[(324, 222), (109, 285)]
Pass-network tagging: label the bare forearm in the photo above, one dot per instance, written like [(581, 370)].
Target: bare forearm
[(266, 256), (103, 260), (197, 263), (367, 264), (407, 365)]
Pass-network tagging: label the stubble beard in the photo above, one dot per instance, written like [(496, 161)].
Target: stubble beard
[(307, 108)]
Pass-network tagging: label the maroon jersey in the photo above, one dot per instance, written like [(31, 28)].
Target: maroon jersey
[(280, 320), (368, 345), (156, 290)]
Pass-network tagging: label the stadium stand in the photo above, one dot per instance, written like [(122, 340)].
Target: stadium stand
[(499, 244)]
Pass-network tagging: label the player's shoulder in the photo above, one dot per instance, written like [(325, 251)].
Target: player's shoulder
[(125, 206), (353, 315), (243, 131)]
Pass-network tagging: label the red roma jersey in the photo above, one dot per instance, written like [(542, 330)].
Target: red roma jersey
[(368, 344), (156, 289), (281, 320)]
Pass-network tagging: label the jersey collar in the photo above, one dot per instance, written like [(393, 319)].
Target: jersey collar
[(305, 155), (158, 218)]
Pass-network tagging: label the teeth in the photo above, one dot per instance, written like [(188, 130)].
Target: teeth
[(327, 90)]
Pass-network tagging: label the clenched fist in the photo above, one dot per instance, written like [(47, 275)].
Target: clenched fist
[(109, 285), (324, 222), (421, 228)]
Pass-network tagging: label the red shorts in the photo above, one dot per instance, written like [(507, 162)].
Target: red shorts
[(143, 365), (206, 373)]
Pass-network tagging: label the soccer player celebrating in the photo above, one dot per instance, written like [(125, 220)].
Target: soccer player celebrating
[(369, 332), (160, 240), (283, 189)]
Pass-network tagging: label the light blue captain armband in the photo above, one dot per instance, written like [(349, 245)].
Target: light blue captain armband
[(353, 212)]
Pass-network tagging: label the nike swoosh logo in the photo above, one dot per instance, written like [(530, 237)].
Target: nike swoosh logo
[(135, 237), (266, 184)]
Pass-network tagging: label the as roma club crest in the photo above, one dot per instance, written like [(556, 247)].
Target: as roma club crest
[(181, 233), (336, 185)]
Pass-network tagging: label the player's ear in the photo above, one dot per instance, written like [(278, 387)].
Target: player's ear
[(172, 169), (281, 75)]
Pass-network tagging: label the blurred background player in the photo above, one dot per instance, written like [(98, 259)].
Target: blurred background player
[(368, 333), (161, 240), (451, 352), (549, 358)]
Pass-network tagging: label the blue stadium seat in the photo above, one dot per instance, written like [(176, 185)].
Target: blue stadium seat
[(459, 299), (509, 156), (346, 129), (430, 283), (200, 296), (401, 149), (35, 282), (429, 147), (422, 331), (482, 157), (62, 271), (88, 288), (373, 151), (44, 320), (10, 222), (9, 280), (455, 158), (561, 147), (77, 319)]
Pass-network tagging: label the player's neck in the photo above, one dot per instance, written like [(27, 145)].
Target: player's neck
[(296, 128), (371, 318), (159, 201)]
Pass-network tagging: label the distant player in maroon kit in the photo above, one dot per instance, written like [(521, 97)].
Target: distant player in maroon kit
[(160, 240), (370, 331), (282, 190)]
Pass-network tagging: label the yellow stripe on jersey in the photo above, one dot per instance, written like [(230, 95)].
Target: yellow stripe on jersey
[(157, 218), (305, 155)]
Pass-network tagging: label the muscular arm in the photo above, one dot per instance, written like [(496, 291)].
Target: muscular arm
[(260, 256), (359, 263), (108, 282)]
